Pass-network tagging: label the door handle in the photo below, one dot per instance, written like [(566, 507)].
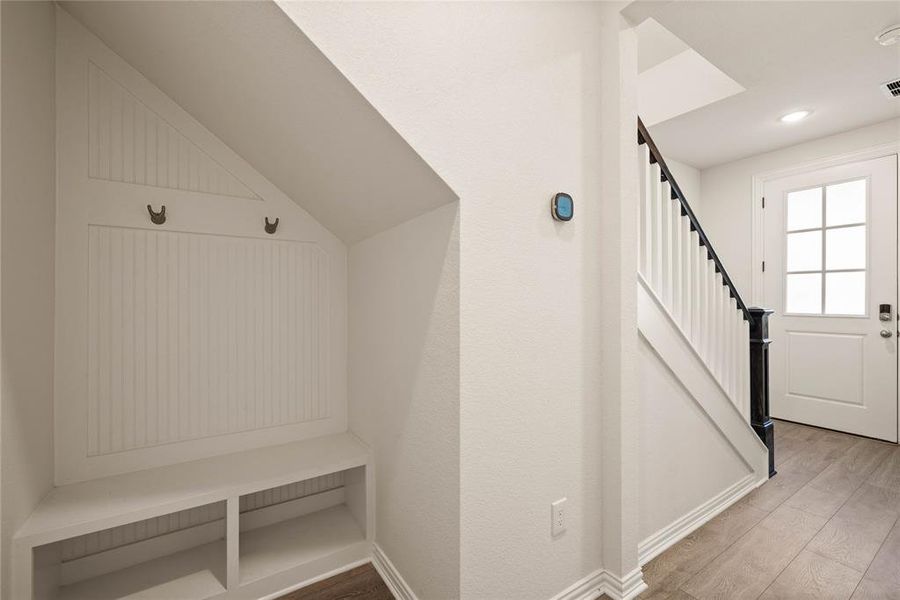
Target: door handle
[(885, 333)]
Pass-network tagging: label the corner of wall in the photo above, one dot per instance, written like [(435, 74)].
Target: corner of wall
[(404, 395), (27, 223)]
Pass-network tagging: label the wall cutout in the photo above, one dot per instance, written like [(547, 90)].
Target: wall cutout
[(194, 335), (130, 143)]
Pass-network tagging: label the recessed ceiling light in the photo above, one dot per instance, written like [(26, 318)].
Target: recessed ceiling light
[(889, 36), (795, 116)]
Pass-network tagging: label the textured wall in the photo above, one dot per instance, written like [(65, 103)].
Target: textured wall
[(503, 100)]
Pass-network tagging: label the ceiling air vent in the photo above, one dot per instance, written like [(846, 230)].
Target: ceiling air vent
[(891, 89)]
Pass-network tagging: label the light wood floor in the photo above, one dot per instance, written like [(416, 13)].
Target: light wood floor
[(826, 527)]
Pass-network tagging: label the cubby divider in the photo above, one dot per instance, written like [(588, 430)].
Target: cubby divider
[(269, 523)]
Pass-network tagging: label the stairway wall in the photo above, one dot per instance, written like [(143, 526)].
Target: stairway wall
[(698, 452), (685, 459), (688, 179)]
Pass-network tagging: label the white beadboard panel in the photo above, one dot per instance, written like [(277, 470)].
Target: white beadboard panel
[(164, 391), (291, 491), (196, 335), (129, 143), (101, 541)]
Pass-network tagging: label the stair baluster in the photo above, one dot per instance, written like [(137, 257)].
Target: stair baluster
[(678, 263)]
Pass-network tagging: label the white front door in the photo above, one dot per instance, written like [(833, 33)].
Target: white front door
[(831, 277)]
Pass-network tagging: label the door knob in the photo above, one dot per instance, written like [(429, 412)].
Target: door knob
[(885, 333)]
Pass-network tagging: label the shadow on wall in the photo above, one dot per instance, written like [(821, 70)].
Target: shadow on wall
[(404, 391), (301, 123), (28, 218)]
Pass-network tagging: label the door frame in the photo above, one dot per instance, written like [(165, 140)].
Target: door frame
[(759, 181), (757, 222)]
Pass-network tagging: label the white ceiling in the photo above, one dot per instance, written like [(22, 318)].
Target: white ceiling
[(679, 85), (656, 44), (247, 73), (789, 56)]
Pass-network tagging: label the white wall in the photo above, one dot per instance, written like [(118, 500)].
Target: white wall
[(299, 117), (688, 179), (26, 262), (179, 387), (505, 101), (685, 460), (404, 392), (727, 190)]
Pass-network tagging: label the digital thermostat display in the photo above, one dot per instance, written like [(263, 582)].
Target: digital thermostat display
[(562, 207)]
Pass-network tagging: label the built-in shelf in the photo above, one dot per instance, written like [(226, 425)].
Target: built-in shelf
[(257, 552), (80, 508), (196, 573), (287, 544)]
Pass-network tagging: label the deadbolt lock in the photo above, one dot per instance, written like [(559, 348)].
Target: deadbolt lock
[(884, 312)]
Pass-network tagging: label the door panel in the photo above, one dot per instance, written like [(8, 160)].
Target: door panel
[(825, 366), (831, 258)]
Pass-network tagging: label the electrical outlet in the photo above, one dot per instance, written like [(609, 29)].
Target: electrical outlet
[(558, 517)]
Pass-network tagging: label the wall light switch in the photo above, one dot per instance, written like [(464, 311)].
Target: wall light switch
[(558, 517)]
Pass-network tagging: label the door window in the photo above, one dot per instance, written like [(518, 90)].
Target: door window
[(826, 250)]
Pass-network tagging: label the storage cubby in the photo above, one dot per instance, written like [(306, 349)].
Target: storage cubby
[(247, 524), (178, 555), (299, 529)]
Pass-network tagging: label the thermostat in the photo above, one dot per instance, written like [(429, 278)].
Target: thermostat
[(562, 207)]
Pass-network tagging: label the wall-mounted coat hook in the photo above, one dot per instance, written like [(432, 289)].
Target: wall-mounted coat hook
[(158, 218), (272, 227)]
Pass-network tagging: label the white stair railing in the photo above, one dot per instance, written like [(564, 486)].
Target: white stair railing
[(680, 270)]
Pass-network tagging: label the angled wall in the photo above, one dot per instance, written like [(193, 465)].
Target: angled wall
[(504, 100), (246, 72), (698, 453), (205, 334), (686, 461)]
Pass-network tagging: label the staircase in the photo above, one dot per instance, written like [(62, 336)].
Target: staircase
[(683, 282), (707, 437), (679, 264)]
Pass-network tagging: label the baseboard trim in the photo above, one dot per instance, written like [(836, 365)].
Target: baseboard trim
[(587, 588), (391, 575), (668, 536), (626, 588), (603, 582)]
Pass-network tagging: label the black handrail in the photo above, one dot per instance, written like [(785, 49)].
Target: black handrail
[(677, 194)]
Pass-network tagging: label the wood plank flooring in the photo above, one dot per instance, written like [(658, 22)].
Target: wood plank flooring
[(825, 528), (360, 583)]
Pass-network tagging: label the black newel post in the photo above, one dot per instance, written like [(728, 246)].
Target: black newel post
[(759, 381)]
